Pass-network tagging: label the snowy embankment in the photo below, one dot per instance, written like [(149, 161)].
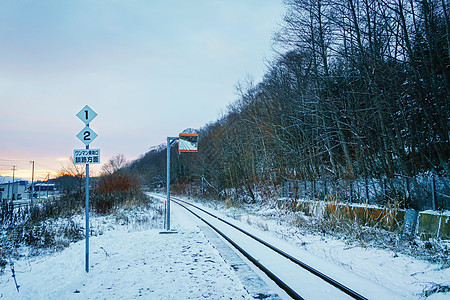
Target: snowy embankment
[(127, 262)]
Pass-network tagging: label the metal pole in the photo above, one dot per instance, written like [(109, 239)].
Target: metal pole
[(87, 216), (32, 183), (408, 198), (433, 193), (168, 185), (48, 177), (366, 183), (13, 194)]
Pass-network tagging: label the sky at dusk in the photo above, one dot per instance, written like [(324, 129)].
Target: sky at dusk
[(149, 69)]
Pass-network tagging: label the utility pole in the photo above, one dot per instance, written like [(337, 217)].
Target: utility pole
[(9, 187), (48, 177), (13, 169), (32, 181)]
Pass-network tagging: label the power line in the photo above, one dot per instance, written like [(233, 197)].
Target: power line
[(6, 164), (47, 167), (11, 160)]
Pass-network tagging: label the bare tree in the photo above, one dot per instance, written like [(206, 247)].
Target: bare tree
[(70, 177), (115, 164)]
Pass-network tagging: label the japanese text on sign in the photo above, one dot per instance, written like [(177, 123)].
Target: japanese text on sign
[(86, 156)]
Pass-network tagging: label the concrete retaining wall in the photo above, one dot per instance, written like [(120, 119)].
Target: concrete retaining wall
[(434, 224), (427, 223)]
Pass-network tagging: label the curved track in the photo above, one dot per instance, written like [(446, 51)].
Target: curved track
[(204, 215)]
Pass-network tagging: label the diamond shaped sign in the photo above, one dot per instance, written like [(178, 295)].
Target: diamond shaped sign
[(86, 115), (87, 135)]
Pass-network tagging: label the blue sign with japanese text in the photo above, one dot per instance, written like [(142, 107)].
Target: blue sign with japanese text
[(86, 156)]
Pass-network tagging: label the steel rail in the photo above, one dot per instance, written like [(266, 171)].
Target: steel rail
[(319, 274), (272, 276)]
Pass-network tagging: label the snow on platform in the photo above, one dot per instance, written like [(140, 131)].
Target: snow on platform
[(128, 265), (256, 287)]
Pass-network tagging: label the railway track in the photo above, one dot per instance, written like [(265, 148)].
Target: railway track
[(296, 278)]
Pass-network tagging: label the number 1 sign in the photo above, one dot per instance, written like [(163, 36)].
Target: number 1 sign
[(86, 115)]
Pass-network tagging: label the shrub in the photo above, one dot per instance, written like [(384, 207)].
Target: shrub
[(117, 182)]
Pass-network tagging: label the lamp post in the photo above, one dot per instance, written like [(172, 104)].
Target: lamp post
[(188, 143), (170, 140)]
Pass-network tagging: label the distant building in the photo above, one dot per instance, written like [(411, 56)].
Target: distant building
[(14, 191), (43, 189), (22, 190)]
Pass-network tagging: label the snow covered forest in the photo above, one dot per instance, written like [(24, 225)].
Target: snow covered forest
[(359, 90)]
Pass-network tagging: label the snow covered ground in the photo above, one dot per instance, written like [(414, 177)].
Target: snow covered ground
[(128, 263), (133, 261)]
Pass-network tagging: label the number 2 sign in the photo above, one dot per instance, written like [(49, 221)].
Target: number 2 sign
[(87, 135)]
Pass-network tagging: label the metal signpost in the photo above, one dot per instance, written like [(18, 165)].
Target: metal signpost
[(86, 156), (169, 141), (187, 143)]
